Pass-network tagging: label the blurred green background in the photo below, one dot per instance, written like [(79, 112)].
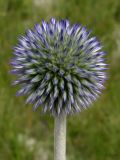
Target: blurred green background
[(92, 135)]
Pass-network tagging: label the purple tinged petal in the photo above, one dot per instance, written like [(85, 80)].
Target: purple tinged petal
[(16, 71), (36, 79), (82, 102), (56, 92), (61, 72), (75, 29), (68, 78), (83, 35), (91, 40), (97, 48), (70, 87), (23, 78), (58, 26), (63, 23), (30, 71), (24, 42), (51, 104), (37, 104), (102, 53), (18, 67), (69, 106), (16, 82), (61, 35), (31, 98), (30, 35), (55, 80), (42, 86), (67, 23), (19, 49), (20, 92), (24, 90), (62, 84), (60, 103), (72, 99), (45, 108), (38, 29), (48, 89), (40, 92), (64, 96), (14, 63), (53, 21), (44, 26), (47, 77), (93, 44), (77, 108)]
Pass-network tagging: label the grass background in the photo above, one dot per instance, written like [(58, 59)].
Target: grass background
[(92, 135)]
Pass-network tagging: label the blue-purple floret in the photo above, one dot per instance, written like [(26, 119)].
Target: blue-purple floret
[(59, 67)]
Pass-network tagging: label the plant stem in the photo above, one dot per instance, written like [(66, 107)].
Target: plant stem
[(60, 137)]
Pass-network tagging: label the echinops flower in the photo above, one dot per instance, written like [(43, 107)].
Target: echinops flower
[(59, 66)]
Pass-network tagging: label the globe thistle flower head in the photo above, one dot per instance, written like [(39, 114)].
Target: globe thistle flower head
[(59, 66)]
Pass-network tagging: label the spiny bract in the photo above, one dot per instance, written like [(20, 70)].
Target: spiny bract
[(59, 67)]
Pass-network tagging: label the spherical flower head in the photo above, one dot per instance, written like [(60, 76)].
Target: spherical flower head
[(59, 67)]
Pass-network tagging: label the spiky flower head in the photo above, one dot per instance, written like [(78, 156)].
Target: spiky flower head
[(59, 66)]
